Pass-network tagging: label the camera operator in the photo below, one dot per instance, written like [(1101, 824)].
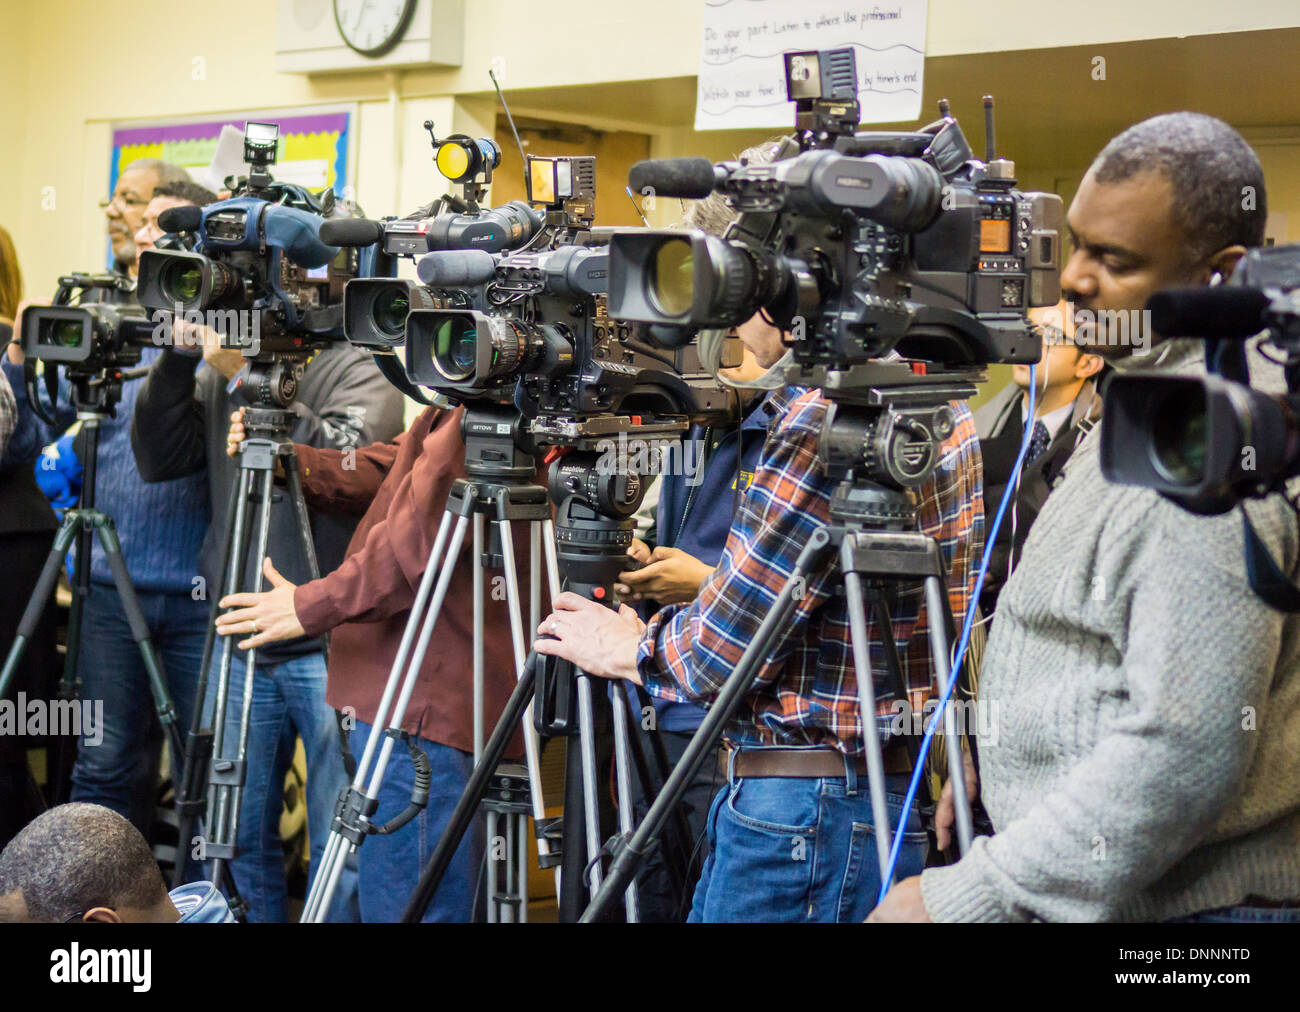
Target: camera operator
[(124, 210), (1145, 762), (1068, 405), (161, 528), (180, 429), (784, 836), (693, 516), (401, 488)]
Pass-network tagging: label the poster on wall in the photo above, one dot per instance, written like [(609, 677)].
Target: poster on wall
[(742, 75), (313, 150)]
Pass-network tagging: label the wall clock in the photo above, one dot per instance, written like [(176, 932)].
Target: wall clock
[(373, 27)]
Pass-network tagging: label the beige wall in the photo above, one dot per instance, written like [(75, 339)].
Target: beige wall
[(121, 62)]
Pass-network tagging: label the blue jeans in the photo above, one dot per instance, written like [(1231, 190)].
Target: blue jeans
[(1244, 914), (799, 850), (288, 700), (113, 773), (390, 866)]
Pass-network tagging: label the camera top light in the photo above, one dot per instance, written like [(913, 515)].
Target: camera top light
[(260, 140), (803, 76)]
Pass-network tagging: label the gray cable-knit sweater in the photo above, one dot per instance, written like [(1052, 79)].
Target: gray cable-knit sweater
[(1147, 761)]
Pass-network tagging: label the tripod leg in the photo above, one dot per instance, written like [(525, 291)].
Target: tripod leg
[(478, 635), (867, 706), (706, 738), (623, 780), (338, 847), (586, 746), (294, 481), (936, 602), (140, 633), (63, 540), (192, 777), (590, 785), (676, 847), (233, 775), (466, 808), (236, 556), (532, 746), (490, 879), (417, 658), (573, 892)]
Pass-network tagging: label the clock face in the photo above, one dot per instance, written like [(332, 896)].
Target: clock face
[(373, 27)]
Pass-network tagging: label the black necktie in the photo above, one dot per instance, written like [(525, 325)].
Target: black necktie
[(1037, 442)]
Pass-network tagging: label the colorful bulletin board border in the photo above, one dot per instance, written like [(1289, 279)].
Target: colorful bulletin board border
[(322, 138)]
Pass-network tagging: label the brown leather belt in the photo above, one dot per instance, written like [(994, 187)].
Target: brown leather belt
[(807, 763), (1261, 901)]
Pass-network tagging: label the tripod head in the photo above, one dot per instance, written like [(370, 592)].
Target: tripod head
[(881, 438)]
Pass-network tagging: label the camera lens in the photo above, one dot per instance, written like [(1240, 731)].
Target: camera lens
[(389, 310), (65, 333), (183, 282), (1179, 430), (672, 282), (455, 344)]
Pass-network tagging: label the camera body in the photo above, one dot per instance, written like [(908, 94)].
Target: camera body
[(1208, 442), (856, 244), (538, 334), (91, 338), (258, 273), (531, 326)]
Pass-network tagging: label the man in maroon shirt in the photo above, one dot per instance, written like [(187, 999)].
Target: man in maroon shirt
[(400, 490)]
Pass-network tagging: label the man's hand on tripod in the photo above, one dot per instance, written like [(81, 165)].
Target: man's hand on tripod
[(600, 641), (945, 814), (237, 435), (902, 905), (268, 616)]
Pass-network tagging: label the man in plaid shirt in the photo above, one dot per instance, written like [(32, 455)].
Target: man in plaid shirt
[(790, 831)]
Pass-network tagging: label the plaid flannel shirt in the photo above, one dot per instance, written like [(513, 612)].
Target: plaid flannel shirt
[(806, 691)]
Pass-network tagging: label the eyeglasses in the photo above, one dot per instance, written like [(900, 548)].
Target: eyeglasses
[(125, 199)]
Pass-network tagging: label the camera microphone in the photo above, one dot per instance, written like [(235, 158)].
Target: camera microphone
[(1218, 311), (351, 232), (689, 178), (452, 268), (186, 218)]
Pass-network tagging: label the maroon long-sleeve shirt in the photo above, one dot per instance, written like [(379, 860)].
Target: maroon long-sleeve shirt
[(400, 490)]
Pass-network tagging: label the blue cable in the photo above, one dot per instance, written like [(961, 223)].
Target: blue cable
[(989, 541)]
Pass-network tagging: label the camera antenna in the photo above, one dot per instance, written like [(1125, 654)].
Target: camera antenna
[(995, 167), (628, 189), (523, 158), (990, 145)]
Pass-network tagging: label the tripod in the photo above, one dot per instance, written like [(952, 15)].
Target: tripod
[(500, 467), (209, 769), (592, 532), (95, 399), (872, 526)]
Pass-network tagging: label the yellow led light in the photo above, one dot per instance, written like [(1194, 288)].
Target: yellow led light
[(452, 161)]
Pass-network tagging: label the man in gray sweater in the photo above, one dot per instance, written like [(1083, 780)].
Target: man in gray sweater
[(1147, 762)]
